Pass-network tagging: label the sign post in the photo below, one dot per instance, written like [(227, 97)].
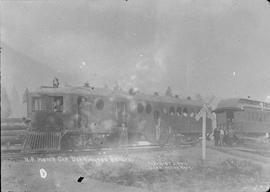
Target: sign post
[(204, 112), (203, 134)]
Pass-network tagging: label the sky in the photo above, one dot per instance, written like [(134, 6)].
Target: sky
[(213, 47)]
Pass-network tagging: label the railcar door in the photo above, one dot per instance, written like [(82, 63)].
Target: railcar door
[(82, 117), (157, 124), (121, 113)]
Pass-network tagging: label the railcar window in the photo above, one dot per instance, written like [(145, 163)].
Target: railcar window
[(156, 115), (179, 111), (37, 104), (148, 108), (140, 107), (185, 111), (100, 104), (58, 104), (172, 111)]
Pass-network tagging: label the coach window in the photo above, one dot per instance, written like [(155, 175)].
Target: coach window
[(230, 115), (257, 116), (178, 111), (261, 117), (164, 110), (172, 110), (250, 116), (100, 104), (140, 107), (185, 112), (265, 116), (148, 108), (253, 116)]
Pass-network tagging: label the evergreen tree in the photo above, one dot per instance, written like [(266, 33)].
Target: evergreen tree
[(16, 104), (5, 104), (169, 92)]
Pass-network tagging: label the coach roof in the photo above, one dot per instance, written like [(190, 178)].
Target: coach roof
[(240, 104)]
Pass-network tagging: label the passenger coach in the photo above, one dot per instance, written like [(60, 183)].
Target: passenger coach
[(244, 117)]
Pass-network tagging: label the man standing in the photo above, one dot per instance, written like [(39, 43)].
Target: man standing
[(216, 136), (123, 135), (221, 137)]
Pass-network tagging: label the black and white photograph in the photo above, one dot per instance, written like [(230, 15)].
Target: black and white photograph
[(135, 95)]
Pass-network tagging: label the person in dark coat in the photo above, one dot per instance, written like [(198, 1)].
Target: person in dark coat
[(216, 136)]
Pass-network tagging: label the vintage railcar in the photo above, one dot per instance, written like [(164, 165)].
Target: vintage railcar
[(243, 117), (85, 117)]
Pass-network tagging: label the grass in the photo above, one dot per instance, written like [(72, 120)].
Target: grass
[(163, 173)]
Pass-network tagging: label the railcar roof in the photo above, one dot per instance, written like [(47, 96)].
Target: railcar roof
[(109, 92), (167, 99), (73, 90)]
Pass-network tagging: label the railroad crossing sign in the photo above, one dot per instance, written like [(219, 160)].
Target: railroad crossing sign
[(204, 112)]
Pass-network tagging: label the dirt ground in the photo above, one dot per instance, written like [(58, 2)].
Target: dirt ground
[(171, 170)]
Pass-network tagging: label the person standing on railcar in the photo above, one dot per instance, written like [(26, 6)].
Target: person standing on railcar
[(56, 82)]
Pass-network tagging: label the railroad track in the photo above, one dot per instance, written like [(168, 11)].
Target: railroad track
[(13, 132), (19, 155), (248, 154), (264, 153)]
